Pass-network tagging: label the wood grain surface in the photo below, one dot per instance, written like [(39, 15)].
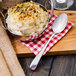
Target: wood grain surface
[(64, 66), (67, 45), (52, 65), (43, 68), (9, 3)]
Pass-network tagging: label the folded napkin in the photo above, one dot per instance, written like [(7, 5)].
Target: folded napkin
[(37, 44)]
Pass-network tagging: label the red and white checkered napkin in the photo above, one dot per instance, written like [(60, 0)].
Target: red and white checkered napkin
[(37, 44)]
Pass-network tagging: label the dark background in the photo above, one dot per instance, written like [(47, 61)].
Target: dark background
[(73, 7)]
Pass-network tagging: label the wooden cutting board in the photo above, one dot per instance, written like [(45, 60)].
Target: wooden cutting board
[(67, 45)]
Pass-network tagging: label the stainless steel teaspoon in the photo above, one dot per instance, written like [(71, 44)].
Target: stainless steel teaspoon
[(58, 26)]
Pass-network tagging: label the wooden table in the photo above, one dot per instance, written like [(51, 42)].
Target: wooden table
[(64, 65), (61, 47), (52, 65)]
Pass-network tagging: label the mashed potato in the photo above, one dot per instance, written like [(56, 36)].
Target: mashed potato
[(26, 18)]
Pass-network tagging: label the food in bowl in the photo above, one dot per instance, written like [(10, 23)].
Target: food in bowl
[(26, 18)]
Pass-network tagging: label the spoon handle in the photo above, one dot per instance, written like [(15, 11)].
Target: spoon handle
[(38, 57)]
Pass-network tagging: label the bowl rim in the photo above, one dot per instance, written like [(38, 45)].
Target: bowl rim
[(39, 32)]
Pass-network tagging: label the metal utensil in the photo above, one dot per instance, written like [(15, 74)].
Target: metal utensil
[(58, 26)]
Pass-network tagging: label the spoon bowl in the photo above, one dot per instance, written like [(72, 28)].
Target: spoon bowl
[(60, 23)]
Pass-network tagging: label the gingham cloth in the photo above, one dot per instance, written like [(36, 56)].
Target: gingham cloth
[(37, 44)]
